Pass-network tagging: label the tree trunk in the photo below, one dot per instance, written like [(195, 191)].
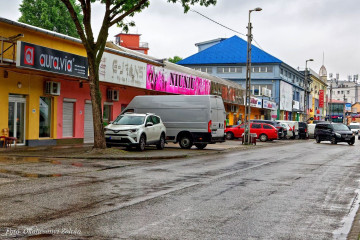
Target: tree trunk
[(99, 136)]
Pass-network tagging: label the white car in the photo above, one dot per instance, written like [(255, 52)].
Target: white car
[(139, 130), (355, 127)]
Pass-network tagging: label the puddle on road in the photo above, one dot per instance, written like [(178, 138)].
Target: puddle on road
[(29, 175)]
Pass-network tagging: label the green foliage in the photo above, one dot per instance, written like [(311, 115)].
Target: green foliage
[(51, 15), (175, 59)]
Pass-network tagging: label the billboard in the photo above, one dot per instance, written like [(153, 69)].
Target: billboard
[(164, 80), (120, 70), (286, 96), (50, 60)]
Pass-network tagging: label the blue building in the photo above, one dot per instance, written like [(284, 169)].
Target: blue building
[(272, 80)]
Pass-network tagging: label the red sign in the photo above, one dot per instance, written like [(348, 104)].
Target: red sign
[(321, 98), (29, 55)]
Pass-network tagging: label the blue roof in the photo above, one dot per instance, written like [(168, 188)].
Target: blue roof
[(230, 51)]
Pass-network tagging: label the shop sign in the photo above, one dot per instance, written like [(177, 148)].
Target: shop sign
[(121, 70), (164, 80), (255, 102), (347, 106), (50, 60), (321, 98), (269, 105)]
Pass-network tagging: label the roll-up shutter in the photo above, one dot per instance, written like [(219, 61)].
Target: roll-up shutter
[(88, 124), (68, 119)]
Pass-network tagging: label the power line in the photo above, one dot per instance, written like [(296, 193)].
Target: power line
[(222, 25)]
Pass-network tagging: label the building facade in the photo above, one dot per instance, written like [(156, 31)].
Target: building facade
[(44, 87), (274, 82)]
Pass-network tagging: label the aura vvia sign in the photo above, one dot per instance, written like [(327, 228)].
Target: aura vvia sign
[(50, 60)]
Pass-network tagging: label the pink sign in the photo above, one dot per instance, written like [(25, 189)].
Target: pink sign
[(164, 80)]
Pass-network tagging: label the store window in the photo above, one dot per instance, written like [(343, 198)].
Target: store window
[(45, 117)]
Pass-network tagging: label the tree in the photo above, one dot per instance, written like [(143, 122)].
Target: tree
[(115, 12), (175, 59), (50, 14)]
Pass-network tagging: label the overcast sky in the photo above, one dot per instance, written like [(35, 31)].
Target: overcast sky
[(291, 30)]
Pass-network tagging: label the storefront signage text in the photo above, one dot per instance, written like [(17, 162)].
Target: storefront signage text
[(50, 60), (164, 80)]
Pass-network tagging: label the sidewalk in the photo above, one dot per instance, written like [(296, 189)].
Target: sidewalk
[(84, 151)]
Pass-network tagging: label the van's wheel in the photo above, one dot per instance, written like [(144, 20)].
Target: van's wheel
[(229, 136), (185, 141), (200, 145), (142, 143), (161, 143), (333, 140), (318, 139), (263, 137)]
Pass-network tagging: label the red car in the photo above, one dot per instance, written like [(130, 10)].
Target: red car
[(263, 131)]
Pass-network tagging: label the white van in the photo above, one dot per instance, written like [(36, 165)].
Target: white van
[(190, 120), (311, 130), (294, 126)]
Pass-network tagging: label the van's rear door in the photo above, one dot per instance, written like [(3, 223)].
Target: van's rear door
[(217, 116)]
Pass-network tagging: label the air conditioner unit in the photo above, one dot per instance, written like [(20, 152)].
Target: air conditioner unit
[(52, 88), (112, 95)]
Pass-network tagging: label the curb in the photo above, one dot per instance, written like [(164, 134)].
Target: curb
[(195, 154)]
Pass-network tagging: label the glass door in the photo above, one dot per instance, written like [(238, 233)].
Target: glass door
[(16, 120)]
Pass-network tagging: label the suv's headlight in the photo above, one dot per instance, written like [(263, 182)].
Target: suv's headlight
[(133, 130), (338, 135)]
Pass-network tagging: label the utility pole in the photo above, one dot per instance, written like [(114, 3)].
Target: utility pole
[(330, 103), (247, 139)]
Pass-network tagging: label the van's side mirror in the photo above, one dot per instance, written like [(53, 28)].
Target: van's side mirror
[(149, 124)]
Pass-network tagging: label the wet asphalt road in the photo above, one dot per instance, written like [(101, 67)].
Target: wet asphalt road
[(298, 191)]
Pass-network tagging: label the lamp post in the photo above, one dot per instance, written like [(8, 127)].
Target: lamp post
[(306, 89), (248, 80)]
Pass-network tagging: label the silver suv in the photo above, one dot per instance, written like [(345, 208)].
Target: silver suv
[(134, 129)]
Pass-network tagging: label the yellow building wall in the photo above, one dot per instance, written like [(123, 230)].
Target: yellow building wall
[(32, 84), (32, 88)]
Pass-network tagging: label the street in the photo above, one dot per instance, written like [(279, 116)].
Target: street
[(300, 190)]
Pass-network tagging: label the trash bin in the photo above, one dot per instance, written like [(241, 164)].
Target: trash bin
[(253, 137)]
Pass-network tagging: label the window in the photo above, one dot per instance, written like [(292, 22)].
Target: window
[(281, 71), (256, 69), (269, 69), (265, 126), (45, 117), (203, 69), (338, 92), (262, 69), (155, 120), (228, 69), (256, 125), (342, 92), (348, 92)]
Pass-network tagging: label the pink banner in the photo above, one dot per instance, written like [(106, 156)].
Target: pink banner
[(164, 80)]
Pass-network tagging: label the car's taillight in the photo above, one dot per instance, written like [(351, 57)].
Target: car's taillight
[(224, 124), (209, 126)]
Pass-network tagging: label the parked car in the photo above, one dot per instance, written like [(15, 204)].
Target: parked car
[(263, 131), (334, 132), (311, 130), (276, 124), (303, 131), (288, 128), (189, 120), (294, 127), (355, 127), (136, 130)]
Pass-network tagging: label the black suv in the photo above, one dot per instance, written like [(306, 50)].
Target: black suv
[(281, 133), (334, 132), (303, 134)]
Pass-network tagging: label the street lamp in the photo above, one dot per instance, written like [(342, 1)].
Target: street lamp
[(248, 80), (306, 89)]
